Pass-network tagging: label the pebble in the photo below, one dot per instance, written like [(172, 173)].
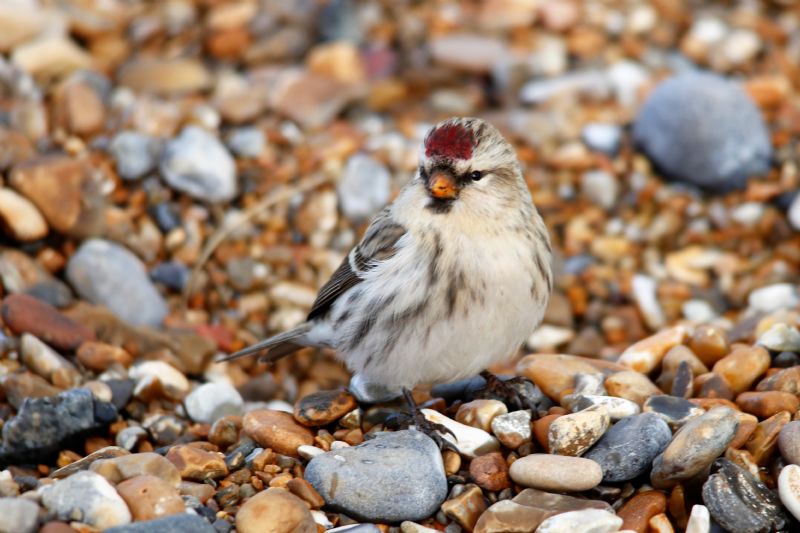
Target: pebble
[(177, 523), (247, 142), (149, 497), (789, 489), (694, 446), (490, 472), (471, 442), (645, 295), (136, 154), (42, 424), (637, 512), (21, 219), (275, 511), (575, 433), (18, 515), (480, 413), (405, 476), (764, 440), (198, 164), (628, 449), (26, 314), (780, 338), (644, 356), (86, 497), (602, 137), (99, 356), (512, 429), (276, 430), (699, 520), (108, 274), (322, 408), (583, 521), (787, 380), (44, 361), (774, 297), (789, 442), (673, 410), (465, 508), (364, 187), (767, 403), (742, 367), (170, 380), (555, 374), (470, 52), (617, 408), (211, 401), (718, 152), (196, 464), (739, 502), (561, 473), (632, 386), (507, 516)]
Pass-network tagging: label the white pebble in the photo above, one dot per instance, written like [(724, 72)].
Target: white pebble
[(781, 338), (212, 401), (773, 297), (699, 520), (789, 489), (470, 441), (583, 521), (173, 381)]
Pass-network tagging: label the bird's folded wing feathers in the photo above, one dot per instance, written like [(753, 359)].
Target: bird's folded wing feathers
[(378, 244)]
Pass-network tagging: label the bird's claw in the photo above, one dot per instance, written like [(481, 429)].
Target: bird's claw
[(506, 391)]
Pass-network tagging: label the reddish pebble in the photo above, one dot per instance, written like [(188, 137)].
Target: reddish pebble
[(26, 314), (490, 471), (637, 512), (767, 403)]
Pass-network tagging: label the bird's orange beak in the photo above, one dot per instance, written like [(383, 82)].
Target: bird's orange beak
[(442, 186)]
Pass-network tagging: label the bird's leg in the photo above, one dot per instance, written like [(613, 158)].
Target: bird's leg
[(431, 429), (506, 391)]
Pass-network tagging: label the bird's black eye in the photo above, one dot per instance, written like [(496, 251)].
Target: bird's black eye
[(476, 175)]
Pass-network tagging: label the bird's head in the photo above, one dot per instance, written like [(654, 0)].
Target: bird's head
[(467, 161)]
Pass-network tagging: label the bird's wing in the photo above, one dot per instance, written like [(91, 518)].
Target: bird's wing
[(378, 244)]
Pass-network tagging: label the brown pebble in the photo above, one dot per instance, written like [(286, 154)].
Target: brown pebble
[(490, 472), (786, 380), (747, 424), (541, 430), (632, 386), (452, 462), (677, 506), (322, 408), (480, 413), (276, 430), (303, 489), (99, 356), (466, 508), (196, 464), (201, 491), (275, 511), (711, 385), (744, 459), (709, 343), (710, 403), (149, 497), (26, 314), (225, 431), (555, 373), (637, 512), (767, 403), (57, 527), (743, 366), (125, 467), (764, 440)]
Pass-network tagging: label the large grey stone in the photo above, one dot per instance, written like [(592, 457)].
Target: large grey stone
[(391, 478), (43, 423), (703, 129), (108, 274), (629, 447)]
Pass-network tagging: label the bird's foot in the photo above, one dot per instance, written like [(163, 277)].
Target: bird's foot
[(415, 417), (509, 391)]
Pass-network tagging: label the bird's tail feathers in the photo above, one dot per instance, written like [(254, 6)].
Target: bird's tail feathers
[(279, 345)]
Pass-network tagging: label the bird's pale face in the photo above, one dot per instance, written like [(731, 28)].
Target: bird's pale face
[(466, 163)]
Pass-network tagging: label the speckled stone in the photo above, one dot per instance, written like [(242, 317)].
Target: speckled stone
[(575, 433), (512, 429), (739, 502), (694, 447), (627, 450), (393, 477)]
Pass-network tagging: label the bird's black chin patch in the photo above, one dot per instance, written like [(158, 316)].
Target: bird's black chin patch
[(441, 206)]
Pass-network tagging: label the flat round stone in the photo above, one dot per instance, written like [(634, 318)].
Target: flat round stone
[(556, 472)]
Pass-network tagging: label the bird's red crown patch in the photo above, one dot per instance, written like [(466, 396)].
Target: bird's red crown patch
[(453, 141)]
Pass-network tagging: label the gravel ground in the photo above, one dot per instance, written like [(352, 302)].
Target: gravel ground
[(178, 178)]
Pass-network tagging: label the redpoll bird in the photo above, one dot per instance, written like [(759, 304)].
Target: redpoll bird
[(449, 279)]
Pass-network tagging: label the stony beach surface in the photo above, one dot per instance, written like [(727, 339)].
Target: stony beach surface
[(178, 178)]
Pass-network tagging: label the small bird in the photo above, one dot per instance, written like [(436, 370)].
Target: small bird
[(447, 280)]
